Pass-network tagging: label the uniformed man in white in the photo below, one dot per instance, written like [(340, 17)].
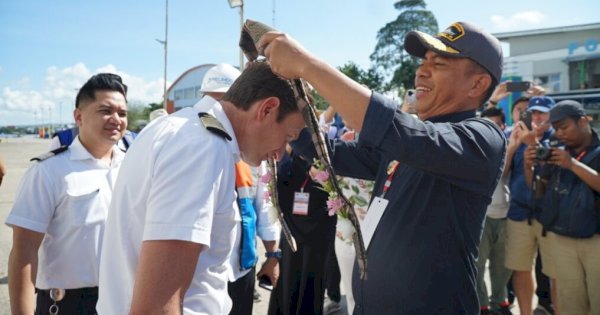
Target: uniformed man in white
[(61, 206), (171, 226), (253, 219)]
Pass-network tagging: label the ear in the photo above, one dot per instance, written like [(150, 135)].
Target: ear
[(583, 122), (77, 116), (267, 108), (481, 84)]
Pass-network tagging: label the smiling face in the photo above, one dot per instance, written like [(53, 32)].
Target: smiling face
[(102, 121), (446, 85)]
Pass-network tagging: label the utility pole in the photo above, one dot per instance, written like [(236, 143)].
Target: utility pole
[(164, 43)]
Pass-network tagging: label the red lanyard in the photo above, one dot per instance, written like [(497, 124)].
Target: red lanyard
[(304, 184), (581, 155), (388, 181)]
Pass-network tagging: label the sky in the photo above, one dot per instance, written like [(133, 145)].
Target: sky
[(48, 49)]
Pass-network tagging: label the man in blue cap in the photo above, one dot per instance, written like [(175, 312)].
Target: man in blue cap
[(423, 226), (524, 232)]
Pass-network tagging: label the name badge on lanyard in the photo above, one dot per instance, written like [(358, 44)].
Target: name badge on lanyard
[(301, 200), (377, 208)]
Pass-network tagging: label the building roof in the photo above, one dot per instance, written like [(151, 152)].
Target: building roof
[(551, 30)]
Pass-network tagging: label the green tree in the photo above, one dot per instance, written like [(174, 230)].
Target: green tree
[(389, 55), (371, 78)]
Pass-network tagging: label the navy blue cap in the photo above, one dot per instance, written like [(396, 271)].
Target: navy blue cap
[(541, 104), (565, 109), (462, 40)]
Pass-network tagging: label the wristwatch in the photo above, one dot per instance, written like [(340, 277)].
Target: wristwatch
[(276, 254)]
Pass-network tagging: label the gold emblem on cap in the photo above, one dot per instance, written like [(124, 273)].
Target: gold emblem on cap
[(450, 33), (437, 44)]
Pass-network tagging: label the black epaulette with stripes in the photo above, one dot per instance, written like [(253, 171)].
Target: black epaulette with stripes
[(50, 154), (213, 125)]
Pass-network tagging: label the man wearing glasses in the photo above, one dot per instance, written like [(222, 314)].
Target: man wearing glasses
[(61, 206)]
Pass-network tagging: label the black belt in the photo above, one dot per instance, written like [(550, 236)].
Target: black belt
[(72, 292)]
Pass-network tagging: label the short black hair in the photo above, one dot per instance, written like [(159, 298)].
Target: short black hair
[(519, 100), (494, 112), (100, 82), (257, 82)]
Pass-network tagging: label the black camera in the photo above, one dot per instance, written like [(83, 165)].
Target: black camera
[(543, 153)]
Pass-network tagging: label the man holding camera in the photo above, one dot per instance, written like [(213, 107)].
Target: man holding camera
[(524, 232), (573, 225)]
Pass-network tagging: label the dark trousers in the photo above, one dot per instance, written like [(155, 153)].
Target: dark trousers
[(333, 276), (543, 284), (76, 301), (241, 293)]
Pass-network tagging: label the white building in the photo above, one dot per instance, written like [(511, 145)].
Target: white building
[(564, 60), (185, 91)]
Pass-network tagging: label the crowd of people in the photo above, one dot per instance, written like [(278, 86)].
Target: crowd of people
[(168, 223)]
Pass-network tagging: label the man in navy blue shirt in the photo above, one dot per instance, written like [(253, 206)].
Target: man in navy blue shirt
[(423, 228), (523, 230)]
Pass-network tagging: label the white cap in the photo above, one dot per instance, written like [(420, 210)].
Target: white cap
[(219, 78), (157, 113)]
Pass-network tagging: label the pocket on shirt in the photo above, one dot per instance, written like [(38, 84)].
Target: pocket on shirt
[(85, 206)]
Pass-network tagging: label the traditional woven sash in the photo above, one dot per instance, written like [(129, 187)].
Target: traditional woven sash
[(251, 34)]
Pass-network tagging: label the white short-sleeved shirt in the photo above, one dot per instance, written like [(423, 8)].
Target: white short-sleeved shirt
[(177, 183), (67, 197)]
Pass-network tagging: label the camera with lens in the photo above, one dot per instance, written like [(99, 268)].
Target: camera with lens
[(543, 153)]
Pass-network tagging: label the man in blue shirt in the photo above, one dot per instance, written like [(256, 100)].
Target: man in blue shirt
[(524, 232), (426, 223)]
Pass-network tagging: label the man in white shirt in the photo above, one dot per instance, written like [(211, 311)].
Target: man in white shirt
[(171, 233), (61, 205)]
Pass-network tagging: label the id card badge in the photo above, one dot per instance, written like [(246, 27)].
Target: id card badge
[(372, 218), (300, 203)]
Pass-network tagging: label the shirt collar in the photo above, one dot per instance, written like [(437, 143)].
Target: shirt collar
[(79, 152), (595, 142), (210, 105), (453, 117)]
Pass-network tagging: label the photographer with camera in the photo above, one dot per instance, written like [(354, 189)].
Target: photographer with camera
[(569, 210), (524, 232)]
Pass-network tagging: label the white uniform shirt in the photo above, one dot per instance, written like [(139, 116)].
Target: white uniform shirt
[(267, 228), (178, 183), (67, 197)]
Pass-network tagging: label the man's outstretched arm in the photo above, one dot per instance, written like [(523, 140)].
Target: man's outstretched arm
[(290, 60)]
